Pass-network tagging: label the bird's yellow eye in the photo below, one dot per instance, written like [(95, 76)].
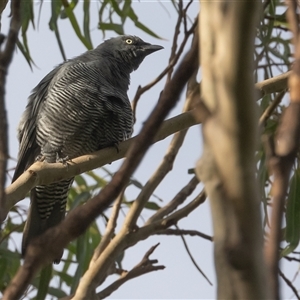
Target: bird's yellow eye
[(128, 41)]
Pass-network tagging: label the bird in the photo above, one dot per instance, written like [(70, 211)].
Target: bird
[(81, 106)]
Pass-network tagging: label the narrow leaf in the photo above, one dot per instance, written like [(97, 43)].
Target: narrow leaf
[(292, 233), (45, 278), (134, 18), (86, 20), (74, 23), (118, 28)]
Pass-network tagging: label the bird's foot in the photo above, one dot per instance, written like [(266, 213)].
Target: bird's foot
[(40, 158), (64, 160)]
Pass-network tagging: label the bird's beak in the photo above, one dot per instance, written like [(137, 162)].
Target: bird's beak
[(148, 48)]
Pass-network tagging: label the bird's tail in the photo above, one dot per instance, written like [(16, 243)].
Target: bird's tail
[(47, 209)]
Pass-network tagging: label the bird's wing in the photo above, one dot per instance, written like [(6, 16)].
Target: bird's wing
[(83, 99), (29, 148)]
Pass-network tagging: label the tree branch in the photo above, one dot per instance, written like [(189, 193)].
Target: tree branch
[(275, 84), (282, 154), (42, 173), (5, 59)]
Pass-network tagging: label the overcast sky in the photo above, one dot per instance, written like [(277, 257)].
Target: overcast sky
[(180, 279)]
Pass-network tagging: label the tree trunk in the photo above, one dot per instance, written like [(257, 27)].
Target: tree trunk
[(227, 167)]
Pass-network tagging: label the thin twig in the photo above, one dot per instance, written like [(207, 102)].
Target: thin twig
[(184, 232), (175, 37), (289, 283), (192, 258), (177, 200), (145, 266), (291, 258), (269, 110)]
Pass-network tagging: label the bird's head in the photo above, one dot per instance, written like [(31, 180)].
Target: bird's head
[(130, 50)]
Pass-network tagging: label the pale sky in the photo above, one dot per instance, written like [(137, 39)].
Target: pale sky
[(180, 279)]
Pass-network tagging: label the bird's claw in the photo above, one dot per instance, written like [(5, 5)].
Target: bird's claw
[(40, 158), (63, 160)]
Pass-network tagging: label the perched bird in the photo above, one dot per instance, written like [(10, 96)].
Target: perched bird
[(79, 107)]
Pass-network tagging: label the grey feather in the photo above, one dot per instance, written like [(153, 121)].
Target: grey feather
[(79, 107)]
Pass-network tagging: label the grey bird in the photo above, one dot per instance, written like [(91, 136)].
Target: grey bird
[(81, 106)]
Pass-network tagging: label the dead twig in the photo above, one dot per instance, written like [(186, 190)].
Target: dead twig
[(192, 258), (184, 232), (145, 266), (289, 283)]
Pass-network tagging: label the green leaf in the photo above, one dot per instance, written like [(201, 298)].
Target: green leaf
[(27, 14), (3, 273), (116, 7), (65, 277), (134, 18), (27, 17), (72, 5), (136, 183), (100, 181), (80, 199), (74, 23), (152, 205), (55, 11), (82, 258), (86, 20), (118, 28), (95, 235), (149, 205), (58, 293), (44, 281), (125, 10), (292, 233), (82, 185)]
